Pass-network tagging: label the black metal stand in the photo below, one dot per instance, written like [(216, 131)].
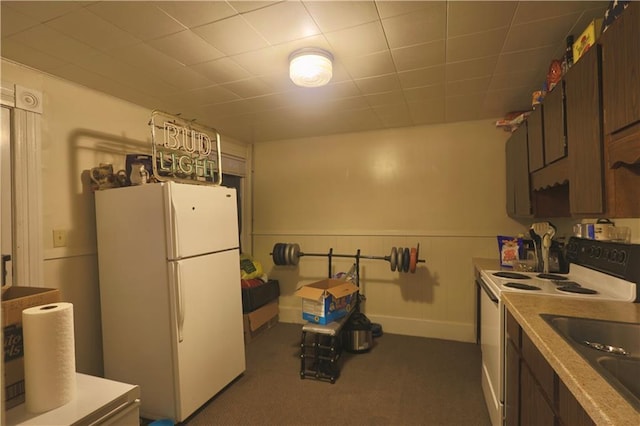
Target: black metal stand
[(321, 345)]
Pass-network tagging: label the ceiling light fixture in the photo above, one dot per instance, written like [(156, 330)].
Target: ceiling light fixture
[(310, 67)]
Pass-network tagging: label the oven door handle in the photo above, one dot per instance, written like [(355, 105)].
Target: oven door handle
[(487, 290)]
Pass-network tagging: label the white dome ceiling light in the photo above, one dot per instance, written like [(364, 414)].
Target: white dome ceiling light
[(310, 67)]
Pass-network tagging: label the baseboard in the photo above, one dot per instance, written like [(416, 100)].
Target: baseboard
[(460, 332)]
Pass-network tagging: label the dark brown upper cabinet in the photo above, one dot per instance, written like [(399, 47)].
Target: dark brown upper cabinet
[(621, 71), (621, 105), (518, 188), (536, 139), (584, 134), (555, 141)]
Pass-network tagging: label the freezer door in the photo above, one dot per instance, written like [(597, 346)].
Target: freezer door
[(209, 335), (202, 219)]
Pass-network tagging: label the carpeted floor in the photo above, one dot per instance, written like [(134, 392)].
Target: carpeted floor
[(403, 380)]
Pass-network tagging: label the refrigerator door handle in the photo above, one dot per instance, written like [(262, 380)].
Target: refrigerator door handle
[(180, 302)]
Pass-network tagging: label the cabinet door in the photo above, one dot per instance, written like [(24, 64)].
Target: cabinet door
[(534, 408), (569, 409), (535, 136), (512, 385), (555, 146), (584, 134), (518, 192), (621, 67)]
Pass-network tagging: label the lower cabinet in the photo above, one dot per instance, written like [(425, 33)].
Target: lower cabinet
[(534, 393)]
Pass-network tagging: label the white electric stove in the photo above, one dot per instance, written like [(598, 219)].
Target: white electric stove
[(598, 270)]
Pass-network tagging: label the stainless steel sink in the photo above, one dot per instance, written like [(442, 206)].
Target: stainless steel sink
[(611, 348)]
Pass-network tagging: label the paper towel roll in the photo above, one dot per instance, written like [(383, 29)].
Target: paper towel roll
[(49, 356)]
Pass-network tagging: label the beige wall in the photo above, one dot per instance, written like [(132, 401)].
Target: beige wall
[(440, 186), (80, 129)]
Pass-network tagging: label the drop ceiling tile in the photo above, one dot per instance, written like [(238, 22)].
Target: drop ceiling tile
[(394, 115), (463, 108), (394, 97), (388, 8), (184, 78), (90, 29), (223, 70), (420, 56), (58, 45), (474, 46), (123, 73), (422, 77), (43, 11), (195, 13), (142, 19), (426, 111), (269, 102), (378, 63), (528, 78), (468, 17), (243, 6), (528, 11), (21, 53), (357, 41), (471, 69), (299, 23), (534, 59), (337, 15), (422, 26), (425, 93), (186, 47), (378, 84), (204, 96), (467, 87), (249, 88), (264, 61), (231, 36), (557, 29), (146, 58), (12, 21)]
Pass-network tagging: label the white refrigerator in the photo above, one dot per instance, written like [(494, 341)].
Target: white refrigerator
[(168, 258)]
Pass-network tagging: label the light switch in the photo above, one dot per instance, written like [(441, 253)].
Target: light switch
[(59, 238)]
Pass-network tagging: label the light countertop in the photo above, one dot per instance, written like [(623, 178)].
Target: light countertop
[(599, 399)]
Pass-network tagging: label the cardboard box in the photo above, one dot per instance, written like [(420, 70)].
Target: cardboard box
[(14, 301), (327, 300), (587, 39), (259, 320)]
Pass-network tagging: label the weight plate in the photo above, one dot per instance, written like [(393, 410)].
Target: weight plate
[(393, 258), (295, 254), (274, 253), (288, 253), (399, 261), (283, 254), (405, 260), (413, 261)]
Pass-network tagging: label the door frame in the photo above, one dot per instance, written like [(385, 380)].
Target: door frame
[(26, 139)]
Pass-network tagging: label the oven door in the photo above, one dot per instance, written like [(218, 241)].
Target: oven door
[(491, 344)]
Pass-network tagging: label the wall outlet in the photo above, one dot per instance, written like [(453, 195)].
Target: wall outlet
[(59, 238)]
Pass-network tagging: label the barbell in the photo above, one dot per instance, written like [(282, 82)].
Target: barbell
[(402, 259)]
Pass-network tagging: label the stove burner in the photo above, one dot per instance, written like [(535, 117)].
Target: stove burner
[(511, 275), (577, 289), (522, 286), (552, 277), (566, 283)]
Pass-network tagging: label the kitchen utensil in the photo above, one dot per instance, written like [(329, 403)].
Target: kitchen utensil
[(546, 244)]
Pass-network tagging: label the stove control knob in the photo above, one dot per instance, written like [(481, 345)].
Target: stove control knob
[(598, 252), (613, 255), (622, 256)]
